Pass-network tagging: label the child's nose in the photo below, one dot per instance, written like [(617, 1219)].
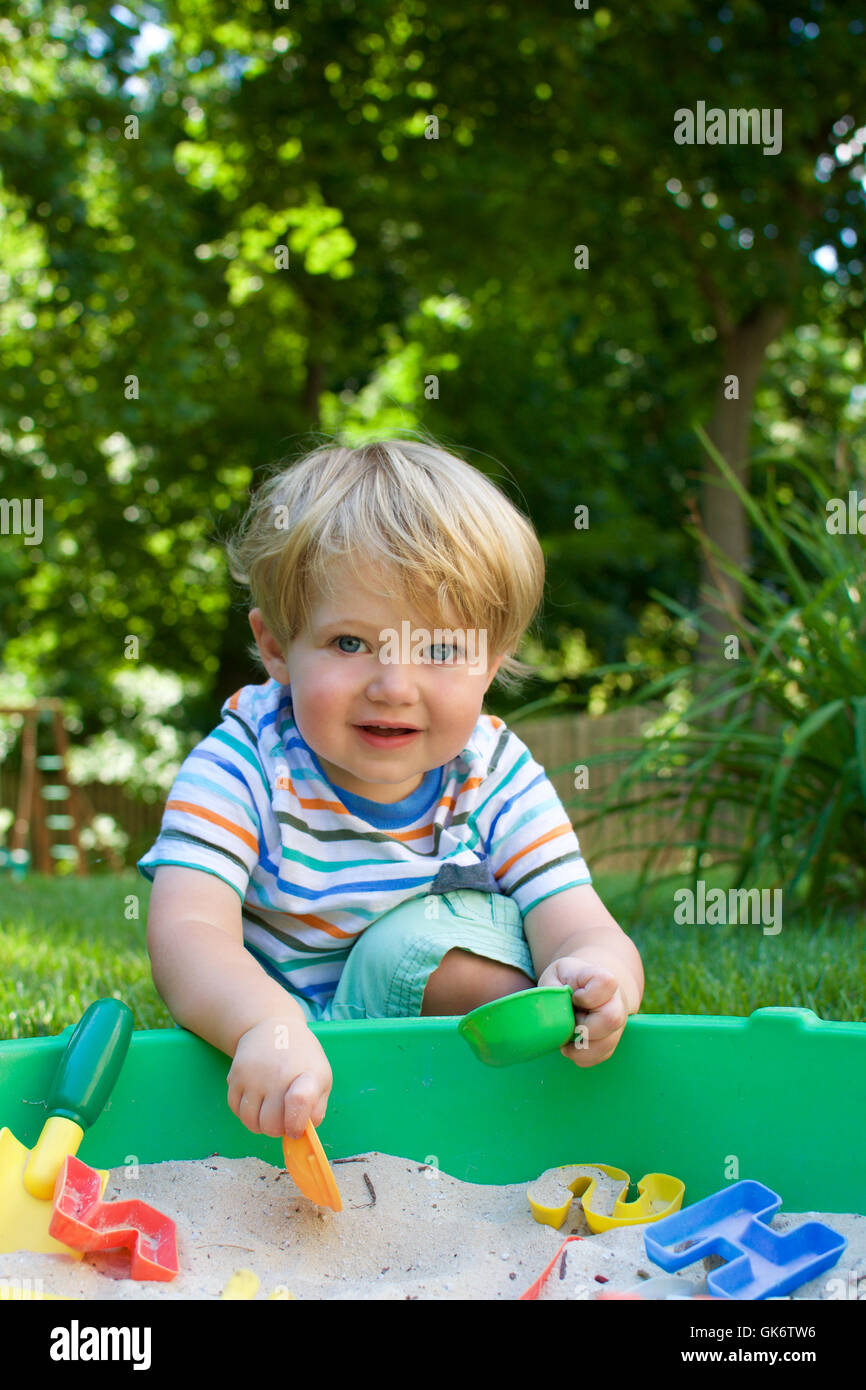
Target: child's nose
[(395, 681)]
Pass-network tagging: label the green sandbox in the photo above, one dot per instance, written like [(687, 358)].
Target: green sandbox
[(779, 1097)]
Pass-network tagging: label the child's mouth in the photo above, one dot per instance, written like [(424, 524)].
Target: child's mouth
[(379, 736)]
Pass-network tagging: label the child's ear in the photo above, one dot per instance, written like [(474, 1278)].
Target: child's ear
[(272, 658), (256, 622), (492, 669)]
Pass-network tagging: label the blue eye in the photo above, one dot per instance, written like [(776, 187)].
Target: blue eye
[(345, 637), (445, 647)]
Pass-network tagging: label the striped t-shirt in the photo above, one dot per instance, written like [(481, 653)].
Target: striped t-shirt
[(314, 864)]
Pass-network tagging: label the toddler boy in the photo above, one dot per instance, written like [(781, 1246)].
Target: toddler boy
[(357, 839)]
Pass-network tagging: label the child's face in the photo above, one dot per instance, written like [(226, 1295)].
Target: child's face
[(342, 676)]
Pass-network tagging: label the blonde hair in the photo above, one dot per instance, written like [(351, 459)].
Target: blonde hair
[(449, 533)]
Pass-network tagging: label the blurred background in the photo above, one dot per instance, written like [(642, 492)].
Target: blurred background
[(231, 230)]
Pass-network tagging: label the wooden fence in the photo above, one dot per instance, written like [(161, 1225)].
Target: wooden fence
[(560, 745), (566, 745)]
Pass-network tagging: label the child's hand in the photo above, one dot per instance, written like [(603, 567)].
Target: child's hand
[(598, 1005), (280, 1078)]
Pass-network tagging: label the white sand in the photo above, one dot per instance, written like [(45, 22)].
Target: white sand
[(427, 1236)]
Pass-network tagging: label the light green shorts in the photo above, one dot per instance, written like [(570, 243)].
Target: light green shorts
[(389, 965)]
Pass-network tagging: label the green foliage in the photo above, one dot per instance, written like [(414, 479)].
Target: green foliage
[(777, 731), (409, 258)]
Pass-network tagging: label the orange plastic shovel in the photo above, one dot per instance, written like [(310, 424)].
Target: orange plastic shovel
[(307, 1164)]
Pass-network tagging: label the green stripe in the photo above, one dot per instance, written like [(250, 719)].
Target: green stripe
[(250, 733), (288, 940), (186, 838), (245, 753), (504, 737), (341, 833), (563, 889), (569, 858), (531, 814), (176, 863), (525, 757), (287, 967), (323, 837)]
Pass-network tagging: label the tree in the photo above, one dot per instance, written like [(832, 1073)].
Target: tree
[(258, 129)]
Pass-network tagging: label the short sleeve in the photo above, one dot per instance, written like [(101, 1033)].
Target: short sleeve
[(211, 820), (529, 839)]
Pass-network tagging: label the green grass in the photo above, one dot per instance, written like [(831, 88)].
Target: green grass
[(813, 963), (65, 942)]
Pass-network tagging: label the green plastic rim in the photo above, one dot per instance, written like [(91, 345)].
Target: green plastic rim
[(787, 1100)]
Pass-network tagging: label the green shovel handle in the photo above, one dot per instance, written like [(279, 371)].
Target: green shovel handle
[(92, 1062)]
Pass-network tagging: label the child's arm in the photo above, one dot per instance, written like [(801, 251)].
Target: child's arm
[(213, 986), (575, 941)]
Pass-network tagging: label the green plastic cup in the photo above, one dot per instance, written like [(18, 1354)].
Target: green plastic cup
[(521, 1026)]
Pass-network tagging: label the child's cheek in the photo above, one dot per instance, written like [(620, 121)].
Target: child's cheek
[(323, 709)]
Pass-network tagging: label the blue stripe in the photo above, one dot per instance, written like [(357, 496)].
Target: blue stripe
[(528, 816), (189, 777), (518, 796)]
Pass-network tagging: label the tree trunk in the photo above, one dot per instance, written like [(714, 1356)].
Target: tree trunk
[(724, 519)]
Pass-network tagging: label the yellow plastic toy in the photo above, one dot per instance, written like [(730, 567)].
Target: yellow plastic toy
[(242, 1285), (551, 1195)]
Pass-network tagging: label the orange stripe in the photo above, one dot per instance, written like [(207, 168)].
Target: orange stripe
[(321, 925), (243, 835), (317, 804), (551, 835), (404, 836), (233, 702), (310, 803)]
